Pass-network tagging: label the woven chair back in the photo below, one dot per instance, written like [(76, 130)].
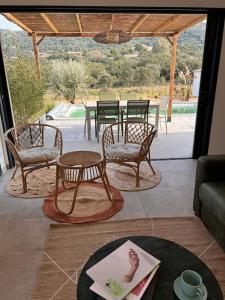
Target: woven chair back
[(26, 136), (31, 135), (136, 132)]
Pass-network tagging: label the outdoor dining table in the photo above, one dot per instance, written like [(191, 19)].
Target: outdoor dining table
[(91, 106)]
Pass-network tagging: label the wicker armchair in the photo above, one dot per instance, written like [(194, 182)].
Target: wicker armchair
[(28, 145), (135, 148)]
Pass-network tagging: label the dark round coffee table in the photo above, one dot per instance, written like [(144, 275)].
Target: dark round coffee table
[(174, 260)]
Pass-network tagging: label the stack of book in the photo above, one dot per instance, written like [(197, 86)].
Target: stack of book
[(126, 273)]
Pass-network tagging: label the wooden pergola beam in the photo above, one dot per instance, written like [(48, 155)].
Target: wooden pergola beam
[(169, 40), (49, 22), (192, 23), (172, 77), (17, 22), (36, 55), (92, 34), (40, 40), (139, 22), (166, 23), (111, 22), (79, 22)]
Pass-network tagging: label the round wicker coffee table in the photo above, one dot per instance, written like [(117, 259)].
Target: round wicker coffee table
[(77, 167)]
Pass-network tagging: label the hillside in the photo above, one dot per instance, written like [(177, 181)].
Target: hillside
[(15, 43)]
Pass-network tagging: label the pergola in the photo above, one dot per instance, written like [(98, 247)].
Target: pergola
[(41, 25)]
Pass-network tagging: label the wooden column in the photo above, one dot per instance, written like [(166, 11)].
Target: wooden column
[(36, 56), (172, 75)]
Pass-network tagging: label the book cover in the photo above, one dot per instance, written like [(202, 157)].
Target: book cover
[(136, 294), (122, 270)]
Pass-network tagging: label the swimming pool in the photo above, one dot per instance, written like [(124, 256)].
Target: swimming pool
[(78, 112)]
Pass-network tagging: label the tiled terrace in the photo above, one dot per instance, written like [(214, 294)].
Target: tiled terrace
[(24, 227), (178, 143)]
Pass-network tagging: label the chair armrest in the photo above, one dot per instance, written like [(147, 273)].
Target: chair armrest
[(209, 168), (146, 144), (13, 150), (107, 139), (58, 140)]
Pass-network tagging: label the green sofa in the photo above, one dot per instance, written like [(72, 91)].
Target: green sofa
[(209, 197)]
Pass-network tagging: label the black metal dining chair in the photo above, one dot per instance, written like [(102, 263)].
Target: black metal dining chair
[(107, 112), (137, 111)]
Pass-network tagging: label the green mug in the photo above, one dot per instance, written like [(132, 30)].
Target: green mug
[(191, 283)]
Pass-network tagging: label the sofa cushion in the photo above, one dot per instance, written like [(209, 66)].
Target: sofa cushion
[(212, 195), (123, 151), (38, 154)]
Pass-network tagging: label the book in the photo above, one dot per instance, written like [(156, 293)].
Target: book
[(137, 293), (121, 271)]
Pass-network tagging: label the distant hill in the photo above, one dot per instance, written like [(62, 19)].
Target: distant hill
[(15, 43)]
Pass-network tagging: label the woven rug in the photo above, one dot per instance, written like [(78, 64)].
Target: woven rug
[(124, 178), (68, 247), (92, 204), (40, 183)]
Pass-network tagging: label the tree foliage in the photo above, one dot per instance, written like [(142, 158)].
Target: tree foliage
[(25, 90), (138, 63), (67, 78)]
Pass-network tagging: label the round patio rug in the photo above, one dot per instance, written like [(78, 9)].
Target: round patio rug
[(91, 205), (40, 183), (124, 178)]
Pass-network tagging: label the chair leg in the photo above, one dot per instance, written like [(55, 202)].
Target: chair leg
[(85, 125), (57, 187), (24, 180), (122, 123), (14, 173), (118, 133), (98, 130), (166, 123), (107, 181), (96, 126), (150, 165), (138, 176)]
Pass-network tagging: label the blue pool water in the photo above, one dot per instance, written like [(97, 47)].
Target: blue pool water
[(178, 108)]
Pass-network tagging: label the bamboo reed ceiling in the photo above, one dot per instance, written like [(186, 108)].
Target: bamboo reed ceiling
[(88, 25)]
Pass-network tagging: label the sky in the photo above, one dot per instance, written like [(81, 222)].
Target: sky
[(5, 24)]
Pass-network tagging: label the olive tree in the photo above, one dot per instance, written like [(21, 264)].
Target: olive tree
[(68, 78)]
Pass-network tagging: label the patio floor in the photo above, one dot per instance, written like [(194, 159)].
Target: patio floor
[(24, 227), (178, 143)]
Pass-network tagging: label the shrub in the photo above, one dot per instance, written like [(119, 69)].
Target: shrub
[(49, 106), (25, 90)]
